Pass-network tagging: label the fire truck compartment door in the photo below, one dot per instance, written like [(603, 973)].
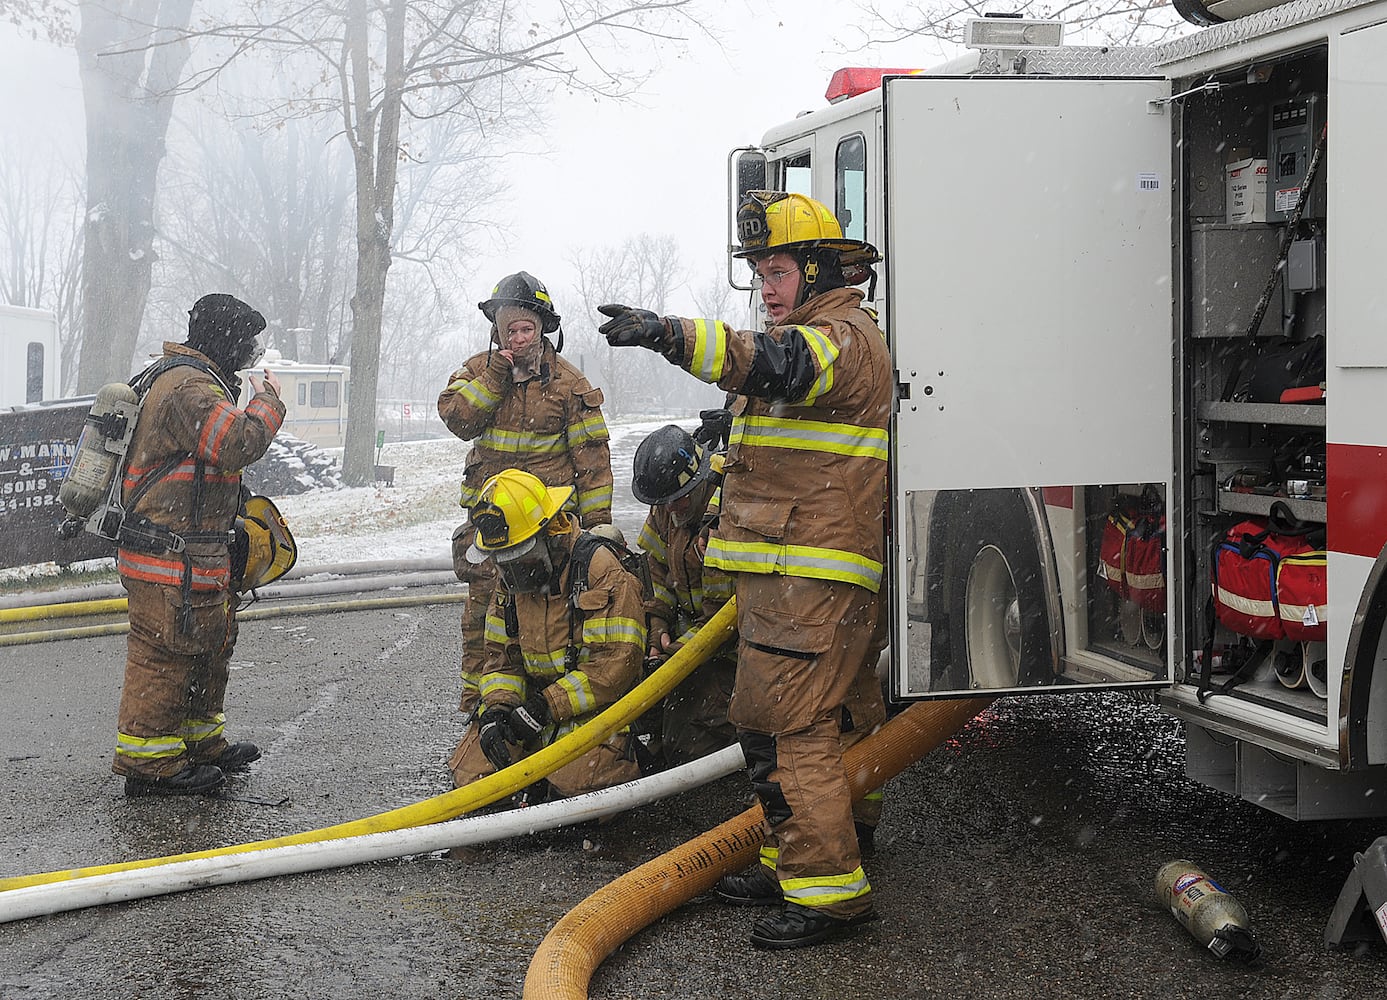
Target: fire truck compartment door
[(1029, 264), (1028, 267)]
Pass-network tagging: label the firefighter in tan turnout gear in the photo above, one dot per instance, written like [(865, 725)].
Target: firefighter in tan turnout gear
[(181, 493), (523, 407), (564, 638), (681, 479), (801, 532)]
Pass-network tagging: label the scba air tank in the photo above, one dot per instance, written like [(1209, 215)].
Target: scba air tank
[(100, 448), (1214, 918)]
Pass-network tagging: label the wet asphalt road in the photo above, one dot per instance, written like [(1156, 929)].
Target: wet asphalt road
[(1014, 861)]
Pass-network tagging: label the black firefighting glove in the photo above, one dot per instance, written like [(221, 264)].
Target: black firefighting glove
[(715, 430), (629, 327), (529, 718), (494, 730)]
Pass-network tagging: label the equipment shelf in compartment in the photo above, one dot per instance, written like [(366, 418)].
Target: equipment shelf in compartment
[(1256, 503), (1285, 414)]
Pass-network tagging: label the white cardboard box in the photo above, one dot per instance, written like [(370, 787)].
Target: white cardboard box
[(1246, 190)]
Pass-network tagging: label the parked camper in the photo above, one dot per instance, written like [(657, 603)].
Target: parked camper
[(315, 398), (28, 355)]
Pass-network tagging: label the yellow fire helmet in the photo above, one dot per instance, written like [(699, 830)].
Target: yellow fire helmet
[(270, 548), (511, 510), (776, 220)]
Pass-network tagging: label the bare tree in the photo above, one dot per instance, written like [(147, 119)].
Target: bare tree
[(395, 61), (643, 271), (1116, 22), (41, 241), (130, 54)]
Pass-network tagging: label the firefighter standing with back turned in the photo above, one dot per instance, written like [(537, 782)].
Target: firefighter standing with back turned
[(801, 531), (181, 493), (524, 407)]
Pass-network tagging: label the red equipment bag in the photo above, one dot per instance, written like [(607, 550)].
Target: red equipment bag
[(1112, 550), (1144, 566), (1270, 579), (1131, 553)]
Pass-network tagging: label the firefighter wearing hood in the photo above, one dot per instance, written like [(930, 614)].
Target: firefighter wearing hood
[(564, 639), (522, 406), (181, 493), (801, 533)]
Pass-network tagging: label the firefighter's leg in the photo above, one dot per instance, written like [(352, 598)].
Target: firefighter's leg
[(694, 722), (204, 728), (154, 696), (605, 765), (480, 588), (863, 714), (803, 643)]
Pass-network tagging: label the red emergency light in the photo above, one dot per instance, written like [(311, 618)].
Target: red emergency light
[(853, 80)]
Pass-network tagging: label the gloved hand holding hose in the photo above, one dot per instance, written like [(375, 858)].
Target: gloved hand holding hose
[(494, 733), (528, 719)]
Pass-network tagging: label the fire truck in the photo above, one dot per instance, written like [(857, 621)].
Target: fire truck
[(1135, 304)]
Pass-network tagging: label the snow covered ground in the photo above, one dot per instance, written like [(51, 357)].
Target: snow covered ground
[(415, 518)]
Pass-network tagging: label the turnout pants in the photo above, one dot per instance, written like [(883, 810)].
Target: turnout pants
[(802, 668), (603, 766), (481, 583), (171, 704)]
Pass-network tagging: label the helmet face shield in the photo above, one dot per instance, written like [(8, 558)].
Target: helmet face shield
[(530, 573)]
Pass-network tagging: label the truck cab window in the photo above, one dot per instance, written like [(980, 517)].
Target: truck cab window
[(795, 175), (850, 187)]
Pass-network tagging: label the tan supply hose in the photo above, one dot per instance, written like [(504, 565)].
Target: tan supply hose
[(567, 957), (484, 791)]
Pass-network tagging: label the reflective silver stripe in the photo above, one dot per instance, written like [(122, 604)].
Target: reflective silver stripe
[(594, 428), (494, 682), (576, 685), (793, 560), (824, 890), (811, 435), (709, 361), (522, 442), (477, 393), (826, 351), (591, 500)]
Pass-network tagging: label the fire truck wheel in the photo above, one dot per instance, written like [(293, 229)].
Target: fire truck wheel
[(1000, 633)]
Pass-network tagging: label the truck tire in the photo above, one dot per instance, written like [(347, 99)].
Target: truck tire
[(1000, 630)]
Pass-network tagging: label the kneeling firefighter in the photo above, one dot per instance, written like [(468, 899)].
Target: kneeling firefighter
[(180, 496), (565, 637), (801, 532), (682, 481)]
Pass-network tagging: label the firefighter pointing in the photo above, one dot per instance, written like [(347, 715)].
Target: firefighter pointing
[(801, 534)]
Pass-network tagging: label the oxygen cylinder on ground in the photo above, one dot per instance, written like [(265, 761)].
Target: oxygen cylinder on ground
[(1205, 909), (100, 447)]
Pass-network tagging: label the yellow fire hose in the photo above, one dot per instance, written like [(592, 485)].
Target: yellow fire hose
[(483, 791), (249, 615), (40, 612), (564, 963)]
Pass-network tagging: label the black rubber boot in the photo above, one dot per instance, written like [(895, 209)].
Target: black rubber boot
[(754, 887), (866, 838), (796, 926), (236, 757), (198, 779)]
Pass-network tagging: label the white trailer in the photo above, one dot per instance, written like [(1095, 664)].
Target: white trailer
[(314, 395), (1067, 303), (28, 355)]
